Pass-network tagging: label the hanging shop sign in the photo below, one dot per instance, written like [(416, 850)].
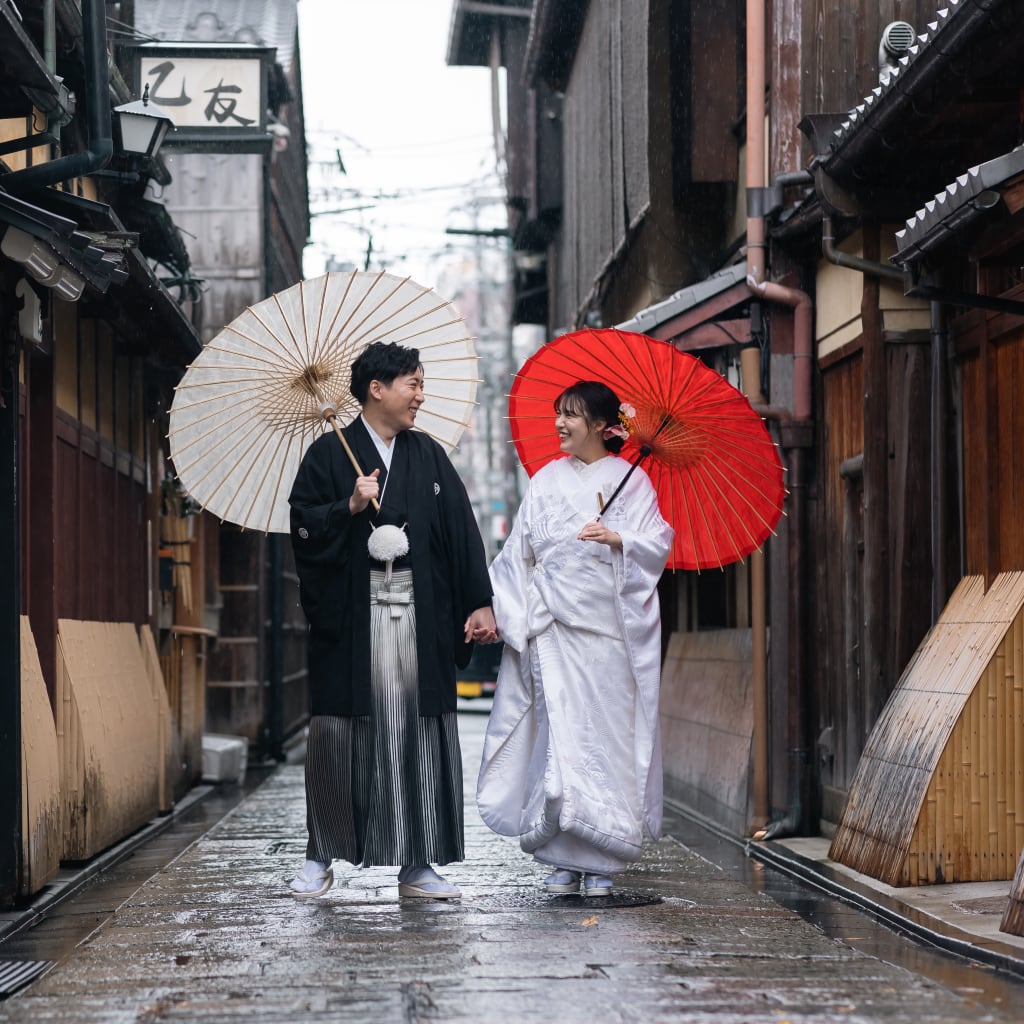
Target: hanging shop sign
[(216, 93)]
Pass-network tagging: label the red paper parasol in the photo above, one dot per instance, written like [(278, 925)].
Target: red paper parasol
[(716, 469)]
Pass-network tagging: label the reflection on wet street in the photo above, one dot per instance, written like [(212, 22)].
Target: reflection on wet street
[(196, 924), (850, 925)]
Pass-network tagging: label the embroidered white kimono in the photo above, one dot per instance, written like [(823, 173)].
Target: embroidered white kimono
[(572, 756)]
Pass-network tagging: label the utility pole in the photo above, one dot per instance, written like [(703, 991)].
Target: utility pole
[(502, 481)]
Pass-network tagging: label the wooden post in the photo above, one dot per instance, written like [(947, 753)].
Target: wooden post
[(10, 621), (876, 491)]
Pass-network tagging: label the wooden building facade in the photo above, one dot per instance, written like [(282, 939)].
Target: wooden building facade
[(239, 192), (92, 345), (119, 610), (877, 330)]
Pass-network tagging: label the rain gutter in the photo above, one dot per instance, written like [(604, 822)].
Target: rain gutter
[(858, 263), (101, 144), (929, 64), (800, 303)]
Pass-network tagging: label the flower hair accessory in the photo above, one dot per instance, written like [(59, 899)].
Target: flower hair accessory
[(623, 428)]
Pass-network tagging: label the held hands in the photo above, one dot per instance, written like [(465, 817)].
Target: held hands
[(365, 490), (600, 534), (481, 628)]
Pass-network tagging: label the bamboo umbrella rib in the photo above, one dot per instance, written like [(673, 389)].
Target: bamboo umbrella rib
[(324, 336), (208, 462), (447, 419), (448, 401), (724, 482), (178, 452), (444, 360), (276, 299), (527, 397), (580, 371), (519, 418), (274, 370), (219, 409), (305, 354), (671, 514), (354, 335), (241, 396), (755, 460), (286, 349), (217, 421), (466, 338), (334, 334), (675, 446), (651, 370), (648, 370), (452, 380), (272, 358), (714, 486), (538, 437), (251, 473), (685, 515), (702, 509), (321, 305), (406, 339), (539, 459), (437, 437), (230, 449), (692, 516), (276, 488)]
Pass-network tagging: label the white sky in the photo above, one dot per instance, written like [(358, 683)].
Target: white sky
[(415, 135)]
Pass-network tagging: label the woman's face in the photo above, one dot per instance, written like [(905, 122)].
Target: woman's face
[(577, 435)]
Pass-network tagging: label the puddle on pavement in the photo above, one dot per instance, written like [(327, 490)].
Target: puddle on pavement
[(573, 902), (850, 925)]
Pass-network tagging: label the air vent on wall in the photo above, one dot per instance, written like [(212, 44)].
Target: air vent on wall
[(897, 39)]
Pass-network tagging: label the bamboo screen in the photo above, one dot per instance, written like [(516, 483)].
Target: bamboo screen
[(938, 795)]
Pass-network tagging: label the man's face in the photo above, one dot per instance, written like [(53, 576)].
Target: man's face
[(400, 400)]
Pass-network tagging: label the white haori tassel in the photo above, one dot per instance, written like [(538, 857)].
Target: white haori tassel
[(387, 543)]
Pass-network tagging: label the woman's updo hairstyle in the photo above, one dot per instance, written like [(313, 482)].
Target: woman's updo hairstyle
[(593, 401)]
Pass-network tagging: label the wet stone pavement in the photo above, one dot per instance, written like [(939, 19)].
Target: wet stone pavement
[(213, 936)]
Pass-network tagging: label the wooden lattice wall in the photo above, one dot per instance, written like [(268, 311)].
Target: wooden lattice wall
[(938, 795)]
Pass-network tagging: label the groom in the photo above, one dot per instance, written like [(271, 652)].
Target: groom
[(383, 763)]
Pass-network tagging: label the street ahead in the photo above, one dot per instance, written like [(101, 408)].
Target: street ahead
[(213, 936)]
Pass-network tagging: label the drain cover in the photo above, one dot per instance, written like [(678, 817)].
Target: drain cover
[(16, 974), (540, 901)]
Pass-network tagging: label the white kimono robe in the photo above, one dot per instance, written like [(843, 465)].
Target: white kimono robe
[(572, 756)]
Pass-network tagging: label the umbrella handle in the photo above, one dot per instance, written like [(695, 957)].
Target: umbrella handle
[(645, 450), (333, 420)]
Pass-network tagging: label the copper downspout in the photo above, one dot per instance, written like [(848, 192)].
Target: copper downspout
[(800, 302)]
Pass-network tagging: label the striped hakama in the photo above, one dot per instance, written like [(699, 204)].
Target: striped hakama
[(386, 788)]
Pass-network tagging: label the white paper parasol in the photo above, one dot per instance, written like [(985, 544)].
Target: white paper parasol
[(260, 392)]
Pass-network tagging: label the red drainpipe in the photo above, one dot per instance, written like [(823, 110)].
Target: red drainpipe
[(800, 303)]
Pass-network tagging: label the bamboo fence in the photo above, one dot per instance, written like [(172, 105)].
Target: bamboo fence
[(938, 795)]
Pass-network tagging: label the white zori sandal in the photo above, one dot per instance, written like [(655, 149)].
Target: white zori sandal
[(314, 879)]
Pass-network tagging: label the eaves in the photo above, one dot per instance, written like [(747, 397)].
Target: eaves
[(23, 63), (472, 26), (555, 29), (874, 127), (957, 208), (695, 305)]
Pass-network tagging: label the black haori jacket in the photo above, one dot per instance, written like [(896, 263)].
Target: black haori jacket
[(446, 554)]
